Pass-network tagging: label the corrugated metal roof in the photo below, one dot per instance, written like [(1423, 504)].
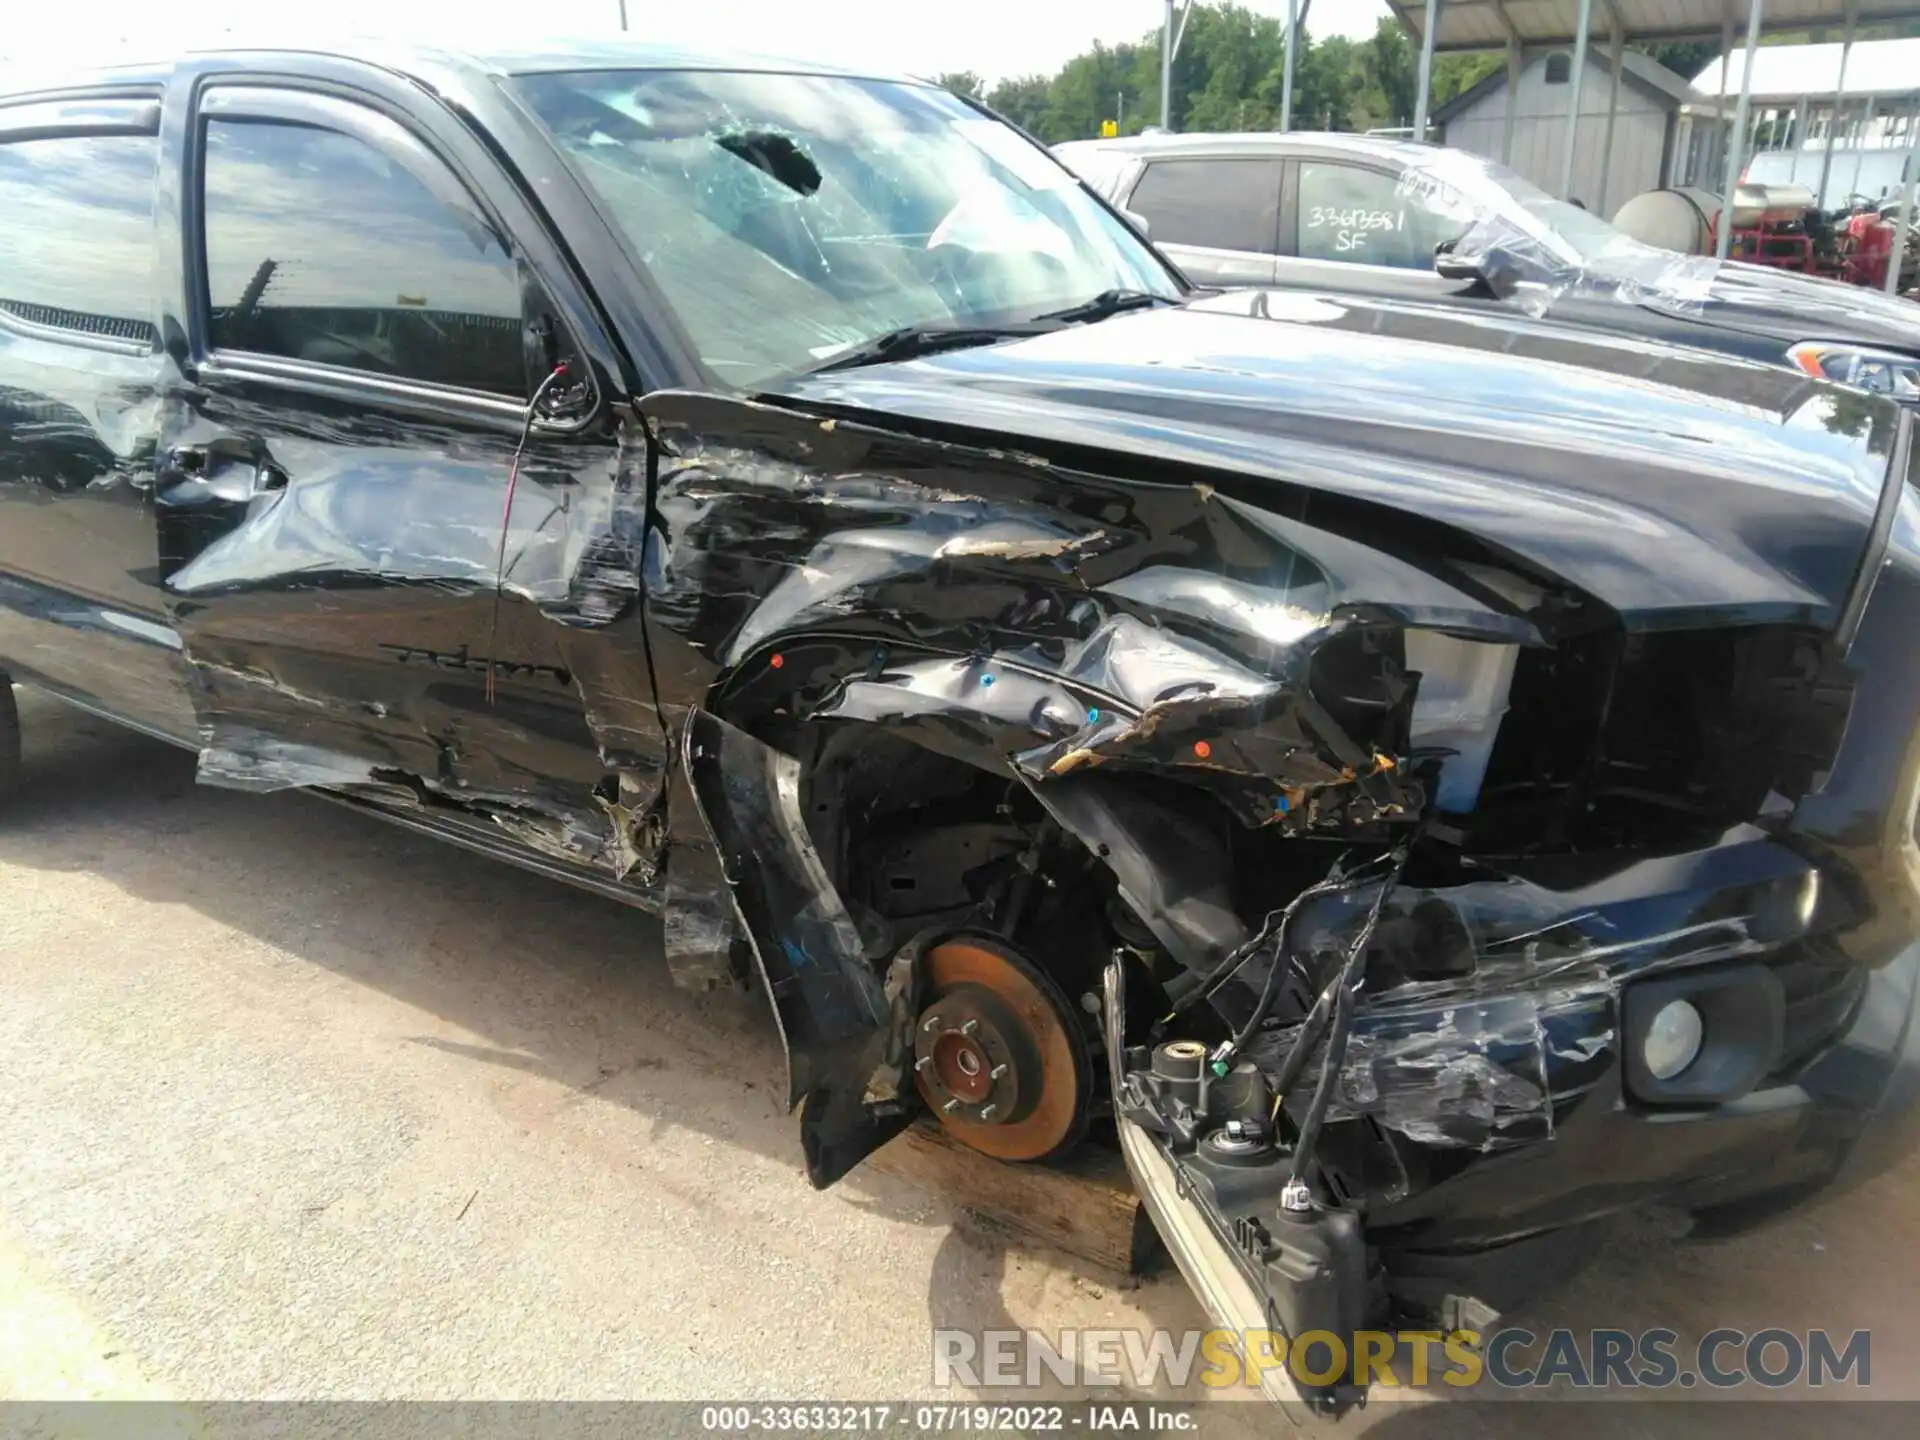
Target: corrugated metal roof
[(1786, 72), (1489, 24)]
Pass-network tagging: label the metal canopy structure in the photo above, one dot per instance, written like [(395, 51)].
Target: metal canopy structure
[(1493, 24)]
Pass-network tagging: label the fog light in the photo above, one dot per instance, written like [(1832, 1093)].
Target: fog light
[(1673, 1039)]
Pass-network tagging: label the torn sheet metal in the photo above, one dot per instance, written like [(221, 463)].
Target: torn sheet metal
[(1017, 632)]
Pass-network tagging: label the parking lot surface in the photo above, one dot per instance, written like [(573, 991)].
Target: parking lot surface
[(298, 1105)]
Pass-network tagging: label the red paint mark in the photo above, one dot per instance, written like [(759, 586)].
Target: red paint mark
[(777, 661), (1202, 749)]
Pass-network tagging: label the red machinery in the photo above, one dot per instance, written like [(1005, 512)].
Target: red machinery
[(1866, 249), (1775, 225)]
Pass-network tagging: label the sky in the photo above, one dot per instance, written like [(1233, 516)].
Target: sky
[(993, 38)]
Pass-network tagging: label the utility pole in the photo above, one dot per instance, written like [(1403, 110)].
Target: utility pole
[(623, 17), (1171, 35), (1286, 81)]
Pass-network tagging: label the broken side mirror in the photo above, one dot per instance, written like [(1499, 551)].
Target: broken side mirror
[(565, 404), (1493, 270)]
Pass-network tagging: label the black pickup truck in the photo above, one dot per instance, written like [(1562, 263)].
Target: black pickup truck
[(1421, 789)]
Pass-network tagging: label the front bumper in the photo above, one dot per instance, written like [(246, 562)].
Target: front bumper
[(1472, 1242)]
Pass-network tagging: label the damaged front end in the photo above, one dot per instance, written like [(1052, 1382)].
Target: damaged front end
[(1363, 861)]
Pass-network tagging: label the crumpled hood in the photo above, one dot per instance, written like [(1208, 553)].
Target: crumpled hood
[(1678, 487)]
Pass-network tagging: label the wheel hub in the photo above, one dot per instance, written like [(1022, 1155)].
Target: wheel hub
[(974, 1058)]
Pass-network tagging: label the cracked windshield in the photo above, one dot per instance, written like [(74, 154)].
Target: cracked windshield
[(790, 220)]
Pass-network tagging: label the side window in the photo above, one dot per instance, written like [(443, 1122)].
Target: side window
[(323, 247), (76, 233), (1222, 204), (1368, 217)]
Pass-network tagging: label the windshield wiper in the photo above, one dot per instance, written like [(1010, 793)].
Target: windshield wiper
[(1107, 302), (913, 340)]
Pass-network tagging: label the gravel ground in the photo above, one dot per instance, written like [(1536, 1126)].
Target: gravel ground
[(300, 1106)]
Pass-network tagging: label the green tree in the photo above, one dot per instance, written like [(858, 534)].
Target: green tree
[(1091, 88), (1023, 101), (962, 82), (1686, 58), (1455, 74), (1389, 79)]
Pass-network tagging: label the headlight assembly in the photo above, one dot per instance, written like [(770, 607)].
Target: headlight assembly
[(1883, 372)]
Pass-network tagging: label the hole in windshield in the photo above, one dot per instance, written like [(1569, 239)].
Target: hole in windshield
[(790, 218)]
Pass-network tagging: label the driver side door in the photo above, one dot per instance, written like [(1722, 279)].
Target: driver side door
[(369, 544)]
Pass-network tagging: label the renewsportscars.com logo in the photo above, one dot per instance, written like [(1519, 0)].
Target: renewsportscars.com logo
[(1512, 1358)]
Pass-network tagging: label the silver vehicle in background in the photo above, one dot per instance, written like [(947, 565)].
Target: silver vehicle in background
[(1395, 222)]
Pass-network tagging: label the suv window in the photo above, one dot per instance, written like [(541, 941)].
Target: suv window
[(1369, 217), (323, 247), (1222, 204), (76, 233)]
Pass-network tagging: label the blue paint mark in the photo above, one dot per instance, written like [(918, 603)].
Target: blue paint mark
[(796, 957), (1093, 715), (1282, 805), (986, 679)]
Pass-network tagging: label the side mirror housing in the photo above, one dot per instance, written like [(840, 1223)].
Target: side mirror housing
[(1138, 221)]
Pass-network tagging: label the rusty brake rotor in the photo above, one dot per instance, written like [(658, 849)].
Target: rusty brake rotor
[(998, 1052)]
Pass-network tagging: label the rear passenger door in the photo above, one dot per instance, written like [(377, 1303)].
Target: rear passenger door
[(1217, 219), (81, 611), (1356, 227)]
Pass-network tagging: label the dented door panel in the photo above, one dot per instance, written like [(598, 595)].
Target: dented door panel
[(81, 610)]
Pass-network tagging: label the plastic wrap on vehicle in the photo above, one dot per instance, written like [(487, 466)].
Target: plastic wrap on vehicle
[(1477, 1057)]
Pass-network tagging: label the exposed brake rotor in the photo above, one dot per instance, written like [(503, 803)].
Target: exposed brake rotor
[(999, 1054)]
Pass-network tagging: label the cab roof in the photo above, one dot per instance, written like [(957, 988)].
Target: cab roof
[(511, 56)]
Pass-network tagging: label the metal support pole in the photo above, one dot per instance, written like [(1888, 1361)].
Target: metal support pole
[(1286, 66), (623, 17), (1601, 205), (1903, 221), (1860, 148), (1839, 98), (1573, 98), (1513, 98), (1514, 59), (1719, 148), (1737, 141), (1426, 70)]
